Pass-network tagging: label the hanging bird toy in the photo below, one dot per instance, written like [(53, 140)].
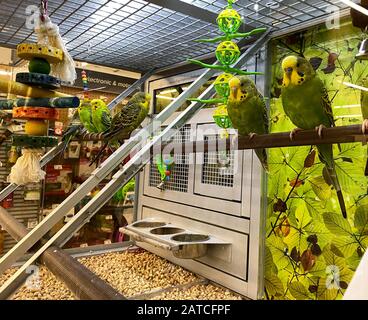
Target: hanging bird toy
[(85, 84), (227, 53), (164, 165), (49, 65)]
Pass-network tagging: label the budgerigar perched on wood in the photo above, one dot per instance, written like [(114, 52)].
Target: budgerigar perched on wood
[(101, 117), (364, 108), (306, 103), (127, 120), (247, 111), (85, 116)]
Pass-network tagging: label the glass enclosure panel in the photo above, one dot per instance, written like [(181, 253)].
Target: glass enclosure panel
[(311, 250)]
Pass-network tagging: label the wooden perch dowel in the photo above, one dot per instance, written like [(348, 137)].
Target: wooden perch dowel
[(343, 134)]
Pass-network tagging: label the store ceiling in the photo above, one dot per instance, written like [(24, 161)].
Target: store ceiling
[(141, 35), (278, 14)]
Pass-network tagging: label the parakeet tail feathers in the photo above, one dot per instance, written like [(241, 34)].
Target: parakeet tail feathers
[(262, 156), (99, 154), (335, 181), (109, 134), (69, 134), (325, 154)]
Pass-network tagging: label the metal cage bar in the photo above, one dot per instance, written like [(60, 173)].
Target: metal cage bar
[(139, 35), (135, 164)]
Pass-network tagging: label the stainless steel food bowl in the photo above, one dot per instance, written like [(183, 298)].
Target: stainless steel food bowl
[(166, 230), (148, 224), (190, 250)]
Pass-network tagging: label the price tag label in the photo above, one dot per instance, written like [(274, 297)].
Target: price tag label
[(108, 241), (58, 128), (32, 224), (84, 245), (17, 128)]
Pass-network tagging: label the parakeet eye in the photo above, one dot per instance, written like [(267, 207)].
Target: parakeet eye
[(298, 65)]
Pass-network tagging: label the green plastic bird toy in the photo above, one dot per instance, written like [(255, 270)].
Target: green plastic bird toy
[(227, 53)]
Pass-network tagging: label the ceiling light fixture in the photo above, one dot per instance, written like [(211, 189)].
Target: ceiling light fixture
[(165, 98), (172, 90), (363, 48), (350, 106), (169, 91), (349, 116), (5, 73), (355, 6), (355, 86)]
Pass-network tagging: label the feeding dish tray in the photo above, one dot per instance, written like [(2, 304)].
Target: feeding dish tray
[(184, 243), (148, 224), (166, 230)]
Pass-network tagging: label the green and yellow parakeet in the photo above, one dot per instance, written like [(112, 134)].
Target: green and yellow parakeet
[(306, 103), (121, 193), (101, 117), (364, 108), (127, 120), (247, 111), (85, 116)]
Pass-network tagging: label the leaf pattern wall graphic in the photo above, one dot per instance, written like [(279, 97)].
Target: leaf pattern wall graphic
[(311, 251)]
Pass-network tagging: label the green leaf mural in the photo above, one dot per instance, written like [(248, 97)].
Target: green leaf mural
[(361, 219), (337, 224), (298, 290), (273, 285), (312, 251)]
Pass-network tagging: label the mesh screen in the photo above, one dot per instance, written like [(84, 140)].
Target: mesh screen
[(180, 171), (218, 167)]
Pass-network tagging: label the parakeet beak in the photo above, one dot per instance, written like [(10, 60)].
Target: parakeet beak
[(234, 92), (234, 85)]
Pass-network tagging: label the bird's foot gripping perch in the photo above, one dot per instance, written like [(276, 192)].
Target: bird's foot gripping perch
[(319, 130), (294, 132), (365, 126), (251, 135), (234, 138)]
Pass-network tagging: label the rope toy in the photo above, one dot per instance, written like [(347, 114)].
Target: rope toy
[(48, 34)]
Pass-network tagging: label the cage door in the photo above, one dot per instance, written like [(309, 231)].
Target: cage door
[(218, 174)]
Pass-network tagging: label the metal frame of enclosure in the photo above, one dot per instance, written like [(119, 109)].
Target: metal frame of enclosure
[(229, 208)]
